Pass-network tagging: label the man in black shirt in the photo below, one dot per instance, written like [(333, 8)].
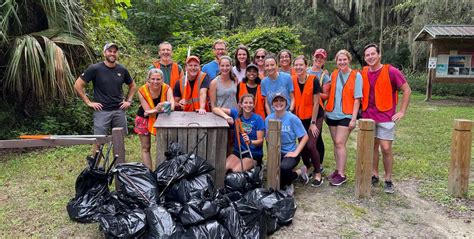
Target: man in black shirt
[(109, 103)]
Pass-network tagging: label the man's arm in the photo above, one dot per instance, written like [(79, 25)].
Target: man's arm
[(132, 88), (405, 88), (80, 87)]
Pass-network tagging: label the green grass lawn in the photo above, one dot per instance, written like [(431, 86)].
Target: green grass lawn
[(36, 186)]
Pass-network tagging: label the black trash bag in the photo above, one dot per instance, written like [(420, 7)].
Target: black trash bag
[(180, 167), (244, 181), (242, 218), (174, 149), (115, 203), (160, 223), (279, 205), (138, 183), (174, 208), (123, 224), (211, 229), (91, 192), (200, 187), (197, 211)]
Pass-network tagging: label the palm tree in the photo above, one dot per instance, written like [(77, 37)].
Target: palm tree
[(37, 39)]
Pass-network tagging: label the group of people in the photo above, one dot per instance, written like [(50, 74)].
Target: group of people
[(248, 93)]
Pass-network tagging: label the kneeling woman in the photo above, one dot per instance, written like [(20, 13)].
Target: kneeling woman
[(250, 130), (155, 96), (291, 130)]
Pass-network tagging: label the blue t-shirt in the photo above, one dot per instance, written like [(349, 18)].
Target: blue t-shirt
[(337, 113), (282, 83), (291, 130), (251, 126), (211, 69), (326, 78)]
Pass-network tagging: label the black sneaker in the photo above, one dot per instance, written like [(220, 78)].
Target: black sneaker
[(316, 183), (388, 188), (375, 181)]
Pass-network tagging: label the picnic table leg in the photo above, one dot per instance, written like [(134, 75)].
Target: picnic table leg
[(119, 148)]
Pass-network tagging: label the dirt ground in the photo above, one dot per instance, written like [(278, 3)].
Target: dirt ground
[(334, 212)]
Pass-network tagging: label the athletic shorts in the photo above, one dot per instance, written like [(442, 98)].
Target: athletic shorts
[(342, 122), (106, 120), (258, 158), (141, 126), (385, 130)]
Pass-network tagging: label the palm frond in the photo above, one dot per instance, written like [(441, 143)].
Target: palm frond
[(64, 14), (8, 10)]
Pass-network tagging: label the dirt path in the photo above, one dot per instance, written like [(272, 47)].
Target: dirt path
[(334, 212)]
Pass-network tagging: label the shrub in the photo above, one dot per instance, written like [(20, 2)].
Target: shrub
[(417, 82)]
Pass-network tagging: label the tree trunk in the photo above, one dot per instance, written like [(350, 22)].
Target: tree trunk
[(382, 11)]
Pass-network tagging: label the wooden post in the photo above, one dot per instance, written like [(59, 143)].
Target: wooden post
[(273, 154), (119, 148), (365, 155), (461, 143)]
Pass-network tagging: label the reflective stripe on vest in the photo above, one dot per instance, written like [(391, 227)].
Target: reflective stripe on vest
[(347, 97), (175, 74), (192, 101), (259, 107), (145, 92), (383, 90), (304, 100)]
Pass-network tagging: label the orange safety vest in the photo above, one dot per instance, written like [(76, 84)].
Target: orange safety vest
[(259, 106), (145, 92), (383, 90), (304, 100), (175, 74), (192, 101), (347, 93)]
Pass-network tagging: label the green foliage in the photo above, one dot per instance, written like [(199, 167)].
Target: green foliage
[(272, 39), (400, 59), (417, 82), (174, 21)]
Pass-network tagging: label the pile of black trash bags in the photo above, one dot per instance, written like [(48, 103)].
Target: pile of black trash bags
[(189, 205)]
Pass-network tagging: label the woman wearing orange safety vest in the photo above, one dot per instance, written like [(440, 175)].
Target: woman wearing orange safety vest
[(251, 84), (341, 110), (155, 96), (191, 90), (308, 107)]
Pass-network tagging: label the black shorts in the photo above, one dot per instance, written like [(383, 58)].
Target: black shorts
[(258, 158), (342, 122)]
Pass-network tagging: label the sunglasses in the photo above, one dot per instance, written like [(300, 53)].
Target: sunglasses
[(259, 57)]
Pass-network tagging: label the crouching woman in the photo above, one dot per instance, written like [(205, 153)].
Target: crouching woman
[(249, 133), (291, 130)]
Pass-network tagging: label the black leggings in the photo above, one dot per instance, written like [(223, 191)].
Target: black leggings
[(310, 153), (286, 170)]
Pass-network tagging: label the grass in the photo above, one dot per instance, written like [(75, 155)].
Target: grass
[(37, 185)]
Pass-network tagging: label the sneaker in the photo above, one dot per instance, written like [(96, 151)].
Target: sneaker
[(388, 188), (316, 183), (321, 169), (375, 181), (304, 175), (290, 190), (338, 180), (332, 175)]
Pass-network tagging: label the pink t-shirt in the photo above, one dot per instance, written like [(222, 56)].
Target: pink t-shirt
[(398, 79)]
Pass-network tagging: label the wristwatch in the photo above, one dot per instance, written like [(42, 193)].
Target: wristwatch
[(313, 122)]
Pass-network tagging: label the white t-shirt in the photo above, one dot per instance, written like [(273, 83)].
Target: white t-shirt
[(240, 75)]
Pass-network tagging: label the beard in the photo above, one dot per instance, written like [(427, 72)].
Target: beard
[(111, 59)]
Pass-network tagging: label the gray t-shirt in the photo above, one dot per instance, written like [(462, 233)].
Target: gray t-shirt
[(225, 96)]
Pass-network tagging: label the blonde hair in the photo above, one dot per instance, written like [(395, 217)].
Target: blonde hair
[(343, 52)]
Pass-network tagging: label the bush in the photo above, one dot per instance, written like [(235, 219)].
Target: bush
[(272, 39), (417, 82)]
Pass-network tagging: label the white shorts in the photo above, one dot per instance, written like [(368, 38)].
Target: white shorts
[(385, 130)]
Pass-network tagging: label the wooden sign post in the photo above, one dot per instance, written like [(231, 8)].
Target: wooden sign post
[(119, 149), (461, 143), (273, 154), (365, 155)]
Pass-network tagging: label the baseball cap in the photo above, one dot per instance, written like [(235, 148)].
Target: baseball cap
[(252, 66), (279, 95), (190, 58), (321, 52), (109, 45)]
